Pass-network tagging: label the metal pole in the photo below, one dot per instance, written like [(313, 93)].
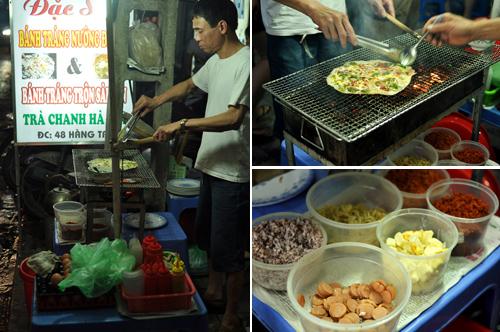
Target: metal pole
[(478, 108), (290, 156), (477, 174), (18, 182), (114, 119)]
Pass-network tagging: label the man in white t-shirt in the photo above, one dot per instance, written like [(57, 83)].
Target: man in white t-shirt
[(300, 34), (223, 213)]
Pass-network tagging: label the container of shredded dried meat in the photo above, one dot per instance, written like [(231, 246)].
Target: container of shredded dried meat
[(469, 205), (350, 205), (414, 183), (470, 153), (278, 241), (415, 153), (357, 265), (442, 139)]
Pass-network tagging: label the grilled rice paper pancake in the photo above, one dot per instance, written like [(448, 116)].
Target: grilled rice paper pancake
[(370, 77), (103, 165)]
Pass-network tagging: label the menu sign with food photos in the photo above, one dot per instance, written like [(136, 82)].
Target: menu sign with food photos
[(61, 71)]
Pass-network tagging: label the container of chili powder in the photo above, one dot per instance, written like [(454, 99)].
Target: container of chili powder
[(470, 153), (469, 205), (413, 184), (442, 139)]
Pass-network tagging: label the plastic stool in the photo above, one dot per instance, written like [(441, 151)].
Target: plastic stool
[(301, 157), (429, 8), (177, 204)]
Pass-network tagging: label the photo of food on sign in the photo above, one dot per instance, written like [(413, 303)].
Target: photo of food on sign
[(101, 66), (39, 65)]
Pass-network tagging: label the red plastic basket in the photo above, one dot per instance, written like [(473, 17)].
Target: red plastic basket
[(161, 303), (28, 277)]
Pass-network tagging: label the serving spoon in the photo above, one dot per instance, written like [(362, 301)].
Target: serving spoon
[(409, 54)]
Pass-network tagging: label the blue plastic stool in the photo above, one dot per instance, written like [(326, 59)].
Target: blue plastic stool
[(177, 204), (429, 8), (301, 157), (171, 237)]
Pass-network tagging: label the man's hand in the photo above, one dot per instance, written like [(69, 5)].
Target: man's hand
[(453, 29), (383, 7), (165, 132), (145, 105), (335, 25)]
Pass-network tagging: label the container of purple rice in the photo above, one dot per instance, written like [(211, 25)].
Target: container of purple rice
[(279, 240)]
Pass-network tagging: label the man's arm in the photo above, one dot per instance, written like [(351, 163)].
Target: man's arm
[(229, 120), (335, 25), (146, 104), (457, 30)]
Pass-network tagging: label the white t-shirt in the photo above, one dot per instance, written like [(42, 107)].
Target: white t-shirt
[(226, 155), (281, 20)]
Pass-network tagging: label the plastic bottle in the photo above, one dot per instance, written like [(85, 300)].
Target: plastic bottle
[(156, 253), (133, 282), (149, 239), (150, 246), (135, 248), (150, 285), (177, 277), (165, 281)]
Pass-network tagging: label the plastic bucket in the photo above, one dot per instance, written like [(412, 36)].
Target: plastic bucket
[(28, 277)]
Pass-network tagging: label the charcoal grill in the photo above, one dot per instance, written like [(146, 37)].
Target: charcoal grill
[(346, 129), (92, 186), (142, 176)]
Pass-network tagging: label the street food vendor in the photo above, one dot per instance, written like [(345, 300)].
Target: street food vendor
[(224, 157), (300, 34)]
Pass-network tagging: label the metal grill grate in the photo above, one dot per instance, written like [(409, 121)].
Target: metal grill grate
[(349, 117), (142, 175)]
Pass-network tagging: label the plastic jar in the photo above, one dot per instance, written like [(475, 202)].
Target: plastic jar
[(347, 263), (133, 282)]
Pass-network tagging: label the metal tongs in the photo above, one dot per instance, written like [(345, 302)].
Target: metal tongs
[(126, 131), (406, 56), (124, 136), (380, 47)]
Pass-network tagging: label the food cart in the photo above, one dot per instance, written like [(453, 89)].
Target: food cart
[(75, 78)]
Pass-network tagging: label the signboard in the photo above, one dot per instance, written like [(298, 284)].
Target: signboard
[(61, 71)]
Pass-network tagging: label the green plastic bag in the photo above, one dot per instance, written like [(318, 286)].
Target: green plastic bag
[(98, 267), (198, 261)]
